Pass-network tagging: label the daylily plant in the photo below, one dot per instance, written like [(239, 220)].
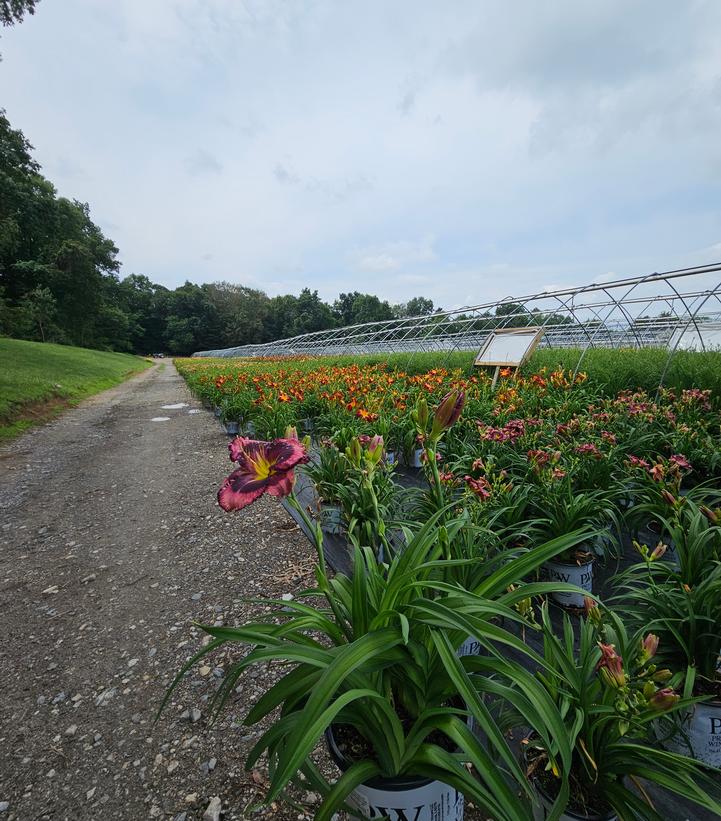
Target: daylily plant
[(609, 692)]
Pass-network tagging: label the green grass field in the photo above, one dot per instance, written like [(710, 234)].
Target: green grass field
[(38, 380)]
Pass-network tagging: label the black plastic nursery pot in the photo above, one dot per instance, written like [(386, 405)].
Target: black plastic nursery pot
[(331, 519), (542, 807), (651, 534), (401, 797)]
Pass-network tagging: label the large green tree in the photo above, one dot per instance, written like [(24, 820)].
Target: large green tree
[(243, 313), (13, 11)]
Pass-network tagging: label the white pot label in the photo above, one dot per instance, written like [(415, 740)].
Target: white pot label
[(580, 575), (470, 647), (703, 728), (432, 802)]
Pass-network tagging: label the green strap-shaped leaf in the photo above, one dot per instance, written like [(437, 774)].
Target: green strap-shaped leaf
[(433, 762), (356, 774), (305, 736), (478, 709)]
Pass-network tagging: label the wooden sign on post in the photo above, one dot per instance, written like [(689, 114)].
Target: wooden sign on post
[(508, 348)]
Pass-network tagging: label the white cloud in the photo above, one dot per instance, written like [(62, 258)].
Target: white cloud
[(394, 256), (384, 147)]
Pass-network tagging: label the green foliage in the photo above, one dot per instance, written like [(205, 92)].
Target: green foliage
[(377, 653), (604, 687), (13, 11), (680, 600), (354, 308), (40, 308)]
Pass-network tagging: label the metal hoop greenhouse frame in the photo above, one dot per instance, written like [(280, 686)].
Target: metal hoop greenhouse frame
[(658, 310)]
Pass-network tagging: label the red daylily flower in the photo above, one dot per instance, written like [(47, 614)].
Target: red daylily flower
[(480, 487), (263, 467)]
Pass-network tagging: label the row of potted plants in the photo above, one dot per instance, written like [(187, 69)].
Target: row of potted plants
[(548, 411), (378, 662)]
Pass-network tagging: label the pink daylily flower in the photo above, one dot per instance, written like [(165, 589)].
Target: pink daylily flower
[(263, 467)]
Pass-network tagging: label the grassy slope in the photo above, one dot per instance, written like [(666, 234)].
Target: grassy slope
[(37, 380)]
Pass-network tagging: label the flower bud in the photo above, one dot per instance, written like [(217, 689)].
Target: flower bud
[(291, 432), (662, 675), (648, 647), (448, 412), (663, 699), (420, 415), (374, 451), (593, 612), (657, 552), (711, 515), (669, 498), (610, 667), (353, 451)]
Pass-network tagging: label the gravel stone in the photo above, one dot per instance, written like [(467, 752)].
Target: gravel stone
[(132, 503), (212, 811)]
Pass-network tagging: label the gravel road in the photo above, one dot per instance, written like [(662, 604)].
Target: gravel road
[(111, 546)]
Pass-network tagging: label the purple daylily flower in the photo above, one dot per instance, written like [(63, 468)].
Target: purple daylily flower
[(263, 467)]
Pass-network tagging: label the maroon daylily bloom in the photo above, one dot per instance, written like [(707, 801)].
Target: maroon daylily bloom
[(680, 461), (263, 467), (479, 486)]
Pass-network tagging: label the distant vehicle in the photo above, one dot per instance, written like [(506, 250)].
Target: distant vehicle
[(159, 355)]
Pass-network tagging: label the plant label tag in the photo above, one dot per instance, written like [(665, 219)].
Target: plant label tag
[(431, 802)]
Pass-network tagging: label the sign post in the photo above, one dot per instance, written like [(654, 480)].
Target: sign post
[(508, 348)]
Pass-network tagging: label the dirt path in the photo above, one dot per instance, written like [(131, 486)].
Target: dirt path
[(111, 544)]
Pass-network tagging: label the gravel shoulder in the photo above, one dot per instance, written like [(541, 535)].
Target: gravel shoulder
[(111, 546)]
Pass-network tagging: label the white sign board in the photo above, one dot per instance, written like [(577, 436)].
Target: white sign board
[(509, 347)]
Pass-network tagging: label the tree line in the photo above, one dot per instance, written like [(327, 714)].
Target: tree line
[(60, 282)]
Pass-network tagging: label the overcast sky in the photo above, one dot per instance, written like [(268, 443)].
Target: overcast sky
[(461, 151)]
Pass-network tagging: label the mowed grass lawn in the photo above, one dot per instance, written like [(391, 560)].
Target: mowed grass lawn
[(38, 380)]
